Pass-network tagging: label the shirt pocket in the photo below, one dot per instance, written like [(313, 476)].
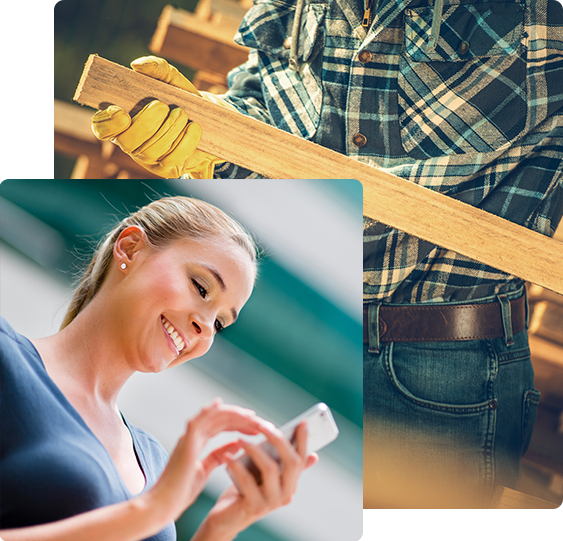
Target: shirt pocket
[(293, 97), (468, 94)]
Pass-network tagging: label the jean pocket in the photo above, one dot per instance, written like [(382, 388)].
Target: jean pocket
[(530, 409), (293, 97), (445, 376), (467, 94)]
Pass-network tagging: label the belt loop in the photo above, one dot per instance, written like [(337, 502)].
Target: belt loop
[(506, 319), (373, 328)]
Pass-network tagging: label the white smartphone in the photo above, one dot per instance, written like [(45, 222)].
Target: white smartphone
[(321, 430)]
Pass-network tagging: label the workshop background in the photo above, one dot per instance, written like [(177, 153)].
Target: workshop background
[(118, 30), (297, 341)]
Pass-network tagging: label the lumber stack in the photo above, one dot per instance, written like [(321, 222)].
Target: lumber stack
[(202, 40)]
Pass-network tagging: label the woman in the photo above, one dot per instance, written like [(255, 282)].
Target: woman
[(158, 289)]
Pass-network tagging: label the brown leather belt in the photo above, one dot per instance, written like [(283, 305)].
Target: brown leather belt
[(436, 323)]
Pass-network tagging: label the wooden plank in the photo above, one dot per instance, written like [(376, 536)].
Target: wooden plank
[(548, 352), (96, 167), (547, 321), (209, 81), (227, 13), (509, 498), (547, 360), (74, 137), (388, 199), (537, 293), (73, 121), (183, 37)]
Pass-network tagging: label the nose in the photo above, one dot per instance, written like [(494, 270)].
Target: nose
[(203, 326)]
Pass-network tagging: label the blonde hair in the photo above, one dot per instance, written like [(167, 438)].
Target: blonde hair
[(163, 221)]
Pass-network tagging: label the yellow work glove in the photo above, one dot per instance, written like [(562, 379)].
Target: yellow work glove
[(163, 141)]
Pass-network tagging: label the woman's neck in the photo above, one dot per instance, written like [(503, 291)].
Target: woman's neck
[(84, 359)]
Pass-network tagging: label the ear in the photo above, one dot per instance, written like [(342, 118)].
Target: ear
[(128, 244)]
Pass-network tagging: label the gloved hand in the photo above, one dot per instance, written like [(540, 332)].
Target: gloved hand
[(163, 141)]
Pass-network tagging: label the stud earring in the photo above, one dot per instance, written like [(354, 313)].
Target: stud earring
[(123, 266)]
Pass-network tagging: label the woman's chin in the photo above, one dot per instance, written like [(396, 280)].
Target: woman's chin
[(159, 362)]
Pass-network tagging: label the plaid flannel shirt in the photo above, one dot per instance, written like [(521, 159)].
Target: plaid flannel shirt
[(468, 102)]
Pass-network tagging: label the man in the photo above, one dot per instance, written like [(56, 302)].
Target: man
[(465, 98)]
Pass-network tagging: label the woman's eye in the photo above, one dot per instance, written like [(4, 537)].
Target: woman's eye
[(202, 291), (218, 326)]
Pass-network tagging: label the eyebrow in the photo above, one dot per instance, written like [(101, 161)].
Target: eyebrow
[(223, 287), (217, 277)]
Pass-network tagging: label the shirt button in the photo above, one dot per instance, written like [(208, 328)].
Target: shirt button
[(463, 48), (364, 57), (359, 139)]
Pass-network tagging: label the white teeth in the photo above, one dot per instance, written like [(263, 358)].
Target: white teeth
[(177, 339)]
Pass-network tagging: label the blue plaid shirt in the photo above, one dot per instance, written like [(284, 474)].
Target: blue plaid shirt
[(465, 99)]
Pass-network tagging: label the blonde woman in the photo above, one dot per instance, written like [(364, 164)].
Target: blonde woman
[(158, 289)]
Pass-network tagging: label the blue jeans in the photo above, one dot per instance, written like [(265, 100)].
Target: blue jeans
[(444, 422)]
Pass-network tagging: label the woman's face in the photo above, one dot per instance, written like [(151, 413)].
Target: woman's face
[(172, 302)]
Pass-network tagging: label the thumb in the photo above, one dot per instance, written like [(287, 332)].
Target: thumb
[(312, 459), (160, 69), (110, 122)]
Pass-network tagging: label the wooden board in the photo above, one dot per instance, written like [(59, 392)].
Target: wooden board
[(73, 137), (227, 13), (183, 37), (72, 132), (547, 321), (507, 498), (388, 199), (547, 360), (537, 293)]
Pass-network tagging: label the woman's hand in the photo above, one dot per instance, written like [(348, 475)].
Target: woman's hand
[(182, 481), (186, 474), (178, 486), (236, 509)]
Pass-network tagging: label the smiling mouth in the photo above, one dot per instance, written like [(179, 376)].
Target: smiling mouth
[(173, 333)]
